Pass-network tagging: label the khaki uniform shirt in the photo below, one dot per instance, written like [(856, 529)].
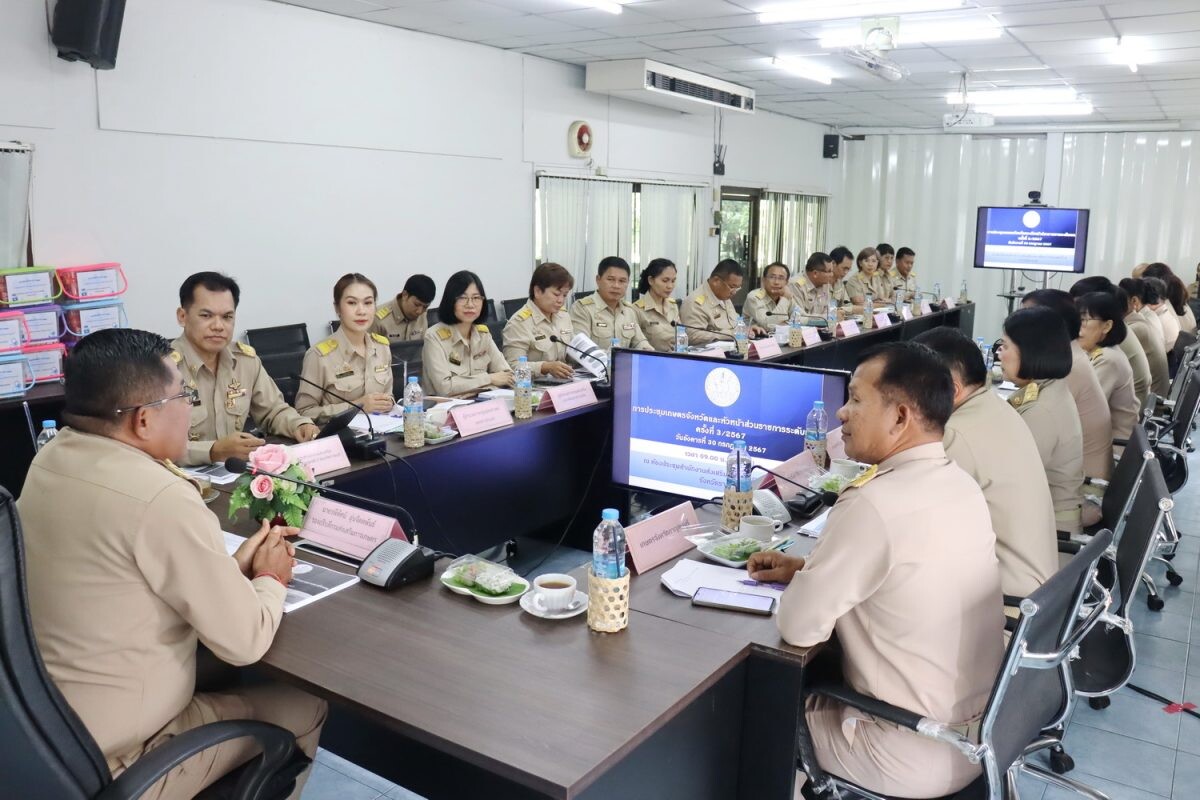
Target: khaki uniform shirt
[(1156, 353), (766, 313), (1094, 417), (879, 285), (391, 322), (987, 438), (906, 574), (592, 317), (1187, 320), (1170, 324), (813, 301), (658, 321), (701, 310), (239, 394), (1116, 381), (899, 282), (124, 578), (335, 365), (1132, 348), (840, 295), (527, 333), (1155, 322), (1049, 410), (454, 365)]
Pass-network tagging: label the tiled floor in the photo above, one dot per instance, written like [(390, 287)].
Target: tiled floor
[(1133, 750)]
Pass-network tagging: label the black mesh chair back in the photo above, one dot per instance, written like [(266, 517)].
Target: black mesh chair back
[(1185, 410), (497, 330), (47, 752), (431, 316), (1124, 480), (580, 295), (1032, 693), (1177, 358), (405, 352), (280, 339), (281, 367), (513, 306)]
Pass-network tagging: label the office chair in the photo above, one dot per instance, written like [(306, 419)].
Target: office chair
[(279, 339), (497, 330), (1032, 693), (48, 752), (1126, 475), (1179, 352), (431, 316), (580, 295), (513, 306), (405, 352)]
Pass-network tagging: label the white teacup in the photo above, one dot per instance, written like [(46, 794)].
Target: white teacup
[(761, 528), (553, 592), (846, 468)]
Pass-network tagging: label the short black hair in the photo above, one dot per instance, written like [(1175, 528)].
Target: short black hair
[(656, 267), (726, 268), (1060, 302), (1105, 306), (1040, 334), (885, 249), (111, 369), (421, 287), (914, 374), (905, 251), (1177, 293), (840, 254), (1154, 291), (816, 262), (786, 272), (1092, 283), (213, 281), (957, 351), (608, 262), (456, 284)]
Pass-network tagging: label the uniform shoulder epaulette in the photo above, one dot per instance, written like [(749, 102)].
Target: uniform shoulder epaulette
[(627, 303), (1023, 396), (640, 303), (700, 298), (760, 293), (246, 349), (589, 300), (893, 273), (871, 473), (524, 313), (383, 312), (1095, 353), (379, 337), (481, 328), (177, 472), (176, 356), (443, 333), (671, 300), (326, 347)]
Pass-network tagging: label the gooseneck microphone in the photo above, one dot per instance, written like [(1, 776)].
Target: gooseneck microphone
[(827, 498), (595, 358), (813, 320), (732, 355), (364, 446)]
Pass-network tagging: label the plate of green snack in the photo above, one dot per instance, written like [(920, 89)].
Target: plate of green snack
[(488, 583), (732, 550)]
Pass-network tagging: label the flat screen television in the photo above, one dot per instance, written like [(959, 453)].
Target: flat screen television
[(675, 417), (1037, 239)]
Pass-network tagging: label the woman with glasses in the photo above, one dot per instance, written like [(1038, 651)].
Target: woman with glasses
[(1101, 331), (770, 304), (528, 332), (657, 311), (353, 363), (1035, 354), (459, 354), (869, 278)]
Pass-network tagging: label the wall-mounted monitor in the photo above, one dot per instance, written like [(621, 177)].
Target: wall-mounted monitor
[(675, 416), (1037, 239)]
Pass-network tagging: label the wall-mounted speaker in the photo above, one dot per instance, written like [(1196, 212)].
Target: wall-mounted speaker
[(832, 143), (88, 30)]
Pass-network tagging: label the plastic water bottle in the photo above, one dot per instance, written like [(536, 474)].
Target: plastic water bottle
[(49, 431), (868, 310), (831, 313), (962, 293), (985, 350), (898, 299), (523, 396), (814, 433), (739, 336), (608, 546), (414, 413), (795, 327), (681, 340), (738, 501), (937, 293), (916, 302)]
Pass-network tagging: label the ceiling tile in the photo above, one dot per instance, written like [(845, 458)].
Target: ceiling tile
[(1143, 8), (1063, 33), (342, 7), (1167, 23), (691, 9), (1016, 18)]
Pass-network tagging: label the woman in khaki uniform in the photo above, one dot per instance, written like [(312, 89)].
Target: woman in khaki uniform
[(657, 311), (1035, 354), (1100, 334), (869, 278), (529, 330), (770, 304), (459, 354), (354, 362)]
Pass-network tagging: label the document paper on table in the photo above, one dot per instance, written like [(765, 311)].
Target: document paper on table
[(382, 423), (309, 582), (687, 576)]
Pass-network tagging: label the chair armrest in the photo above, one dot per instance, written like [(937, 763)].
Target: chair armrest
[(1120, 442), (1101, 482), (278, 746), (1010, 624), (1013, 600), (1071, 547), (876, 708)]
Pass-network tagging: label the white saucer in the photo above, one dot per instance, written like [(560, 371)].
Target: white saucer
[(578, 606)]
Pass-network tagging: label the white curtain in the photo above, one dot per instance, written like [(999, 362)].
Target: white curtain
[(790, 227), (667, 218), (16, 166), (1144, 193), (581, 221), (922, 191), (610, 228)]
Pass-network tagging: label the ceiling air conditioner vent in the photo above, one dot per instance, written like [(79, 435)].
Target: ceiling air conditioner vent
[(661, 84)]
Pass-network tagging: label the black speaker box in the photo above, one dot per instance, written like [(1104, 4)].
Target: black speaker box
[(832, 143), (88, 30)]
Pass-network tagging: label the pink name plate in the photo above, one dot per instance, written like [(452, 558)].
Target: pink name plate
[(798, 468), (847, 327), (480, 417), (926, 308), (949, 301), (906, 312), (659, 539), (764, 348), (810, 335), (322, 456), (568, 396), (882, 320), (346, 529)]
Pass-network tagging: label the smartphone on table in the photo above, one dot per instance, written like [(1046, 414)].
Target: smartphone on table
[(734, 601)]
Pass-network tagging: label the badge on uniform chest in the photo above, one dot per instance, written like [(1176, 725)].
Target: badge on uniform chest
[(234, 391), (454, 359), (346, 372)]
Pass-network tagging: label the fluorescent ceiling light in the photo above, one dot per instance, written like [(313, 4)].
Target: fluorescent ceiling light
[(811, 10), (804, 69), (1129, 51), (1079, 108), (927, 33), (1010, 97), (602, 5)]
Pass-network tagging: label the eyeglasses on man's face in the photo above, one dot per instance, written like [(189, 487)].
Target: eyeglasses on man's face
[(189, 393)]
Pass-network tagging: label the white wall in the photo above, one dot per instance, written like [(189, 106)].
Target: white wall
[(287, 146)]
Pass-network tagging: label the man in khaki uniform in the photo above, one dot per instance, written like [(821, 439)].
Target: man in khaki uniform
[(129, 575), (770, 304), (901, 274), (404, 319), (906, 574), (605, 314), (709, 310), (988, 439), (842, 261), (812, 293), (336, 364), (235, 391)]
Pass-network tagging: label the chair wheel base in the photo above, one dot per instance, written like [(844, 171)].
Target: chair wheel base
[(1169, 557), (1060, 762), (1155, 603), (1099, 703), (1174, 578)]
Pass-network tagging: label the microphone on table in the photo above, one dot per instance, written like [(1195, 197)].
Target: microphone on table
[(393, 562), (815, 498), (597, 359), (732, 355), (813, 320), (360, 445)]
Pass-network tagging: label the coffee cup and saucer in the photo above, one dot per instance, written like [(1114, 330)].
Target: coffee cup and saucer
[(554, 596)]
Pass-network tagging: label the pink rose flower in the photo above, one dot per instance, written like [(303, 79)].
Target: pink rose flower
[(270, 458), (262, 487)]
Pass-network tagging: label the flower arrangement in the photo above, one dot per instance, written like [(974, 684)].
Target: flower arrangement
[(281, 502)]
